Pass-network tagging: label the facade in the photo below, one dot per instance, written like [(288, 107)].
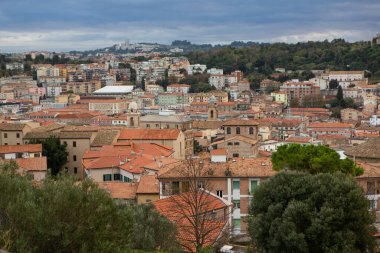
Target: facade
[(234, 181), (350, 115), (13, 134), (240, 138), (205, 97), (280, 96), (171, 99), (82, 87), (300, 90), (108, 106), (217, 80), (178, 88), (344, 78)]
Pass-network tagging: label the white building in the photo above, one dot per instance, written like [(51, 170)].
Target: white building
[(217, 80), (196, 68), (215, 71), (374, 120), (344, 78), (322, 83), (53, 90), (47, 71)]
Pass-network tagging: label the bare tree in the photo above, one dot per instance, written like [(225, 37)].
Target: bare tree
[(201, 216)]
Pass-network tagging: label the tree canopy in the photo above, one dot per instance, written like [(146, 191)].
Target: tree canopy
[(55, 152), (312, 159), (63, 215), (299, 212)]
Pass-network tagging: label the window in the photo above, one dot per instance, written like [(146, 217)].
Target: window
[(228, 130), (5, 135), (219, 193), (254, 184), (370, 188), (117, 177), (236, 185), (5, 144), (237, 204), (65, 143), (185, 186), (107, 177), (238, 130), (127, 179), (230, 144), (236, 143), (235, 155), (237, 224), (147, 125), (18, 143), (74, 158), (74, 143), (75, 170), (17, 135), (201, 184), (251, 130), (175, 187)]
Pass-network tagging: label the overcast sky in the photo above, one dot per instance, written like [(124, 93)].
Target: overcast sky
[(87, 24)]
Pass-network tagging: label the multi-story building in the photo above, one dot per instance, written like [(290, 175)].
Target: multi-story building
[(47, 71), (172, 99), (240, 138), (232, 179), (280, 96), (344, 78), (108, 106), (171, 122), (13, 134), (82, 87), (178, 88), (217, 80), (298, 91), (219, 96), (196, 68)]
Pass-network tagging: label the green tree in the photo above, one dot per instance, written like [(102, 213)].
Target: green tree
[(333, 84), (55, 152), (152, 231), (298, 212), (197, 147), (339, 95), (312, 159), (60, 216)]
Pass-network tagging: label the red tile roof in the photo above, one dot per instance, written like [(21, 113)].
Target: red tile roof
[(330, 125), (221, 151), (149, 134), (32, 164), (32, 148), (119, 190), (148, 185)]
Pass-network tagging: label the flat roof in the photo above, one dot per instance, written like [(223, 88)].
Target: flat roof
[(115, 89)]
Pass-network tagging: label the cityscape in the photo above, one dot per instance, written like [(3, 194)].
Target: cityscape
[(120, 134)]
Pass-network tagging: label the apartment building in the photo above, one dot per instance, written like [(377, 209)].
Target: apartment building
[(219, 96), (231, 179), (178, 88), (82, 87), (344, 78), (13, 134), (108, 106), (297, 91)]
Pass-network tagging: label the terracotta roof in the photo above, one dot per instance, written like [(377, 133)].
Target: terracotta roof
[(220, 151), (12, 127), (106, 137), (33, 148), (175, 209), (239, 138), (330, 125), (48, 127), (33, 164), (240, 122), (119, 190), (238, 167), (40, 135), (149, 134), (203, 124), (299, 139), (331, 136), (148, 185), (369, 149)]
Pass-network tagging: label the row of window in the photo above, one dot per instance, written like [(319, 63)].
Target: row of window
[(6, 135), (237, 130), (116, 177)]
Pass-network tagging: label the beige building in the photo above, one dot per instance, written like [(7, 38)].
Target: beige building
[(171, 122), (108, 106), (233, 180), (12, 133), (81, 87), (240, 138), (350, 115), (67, 98), (220, 96)]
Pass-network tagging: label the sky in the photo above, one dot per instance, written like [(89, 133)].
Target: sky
[(62, 25)]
